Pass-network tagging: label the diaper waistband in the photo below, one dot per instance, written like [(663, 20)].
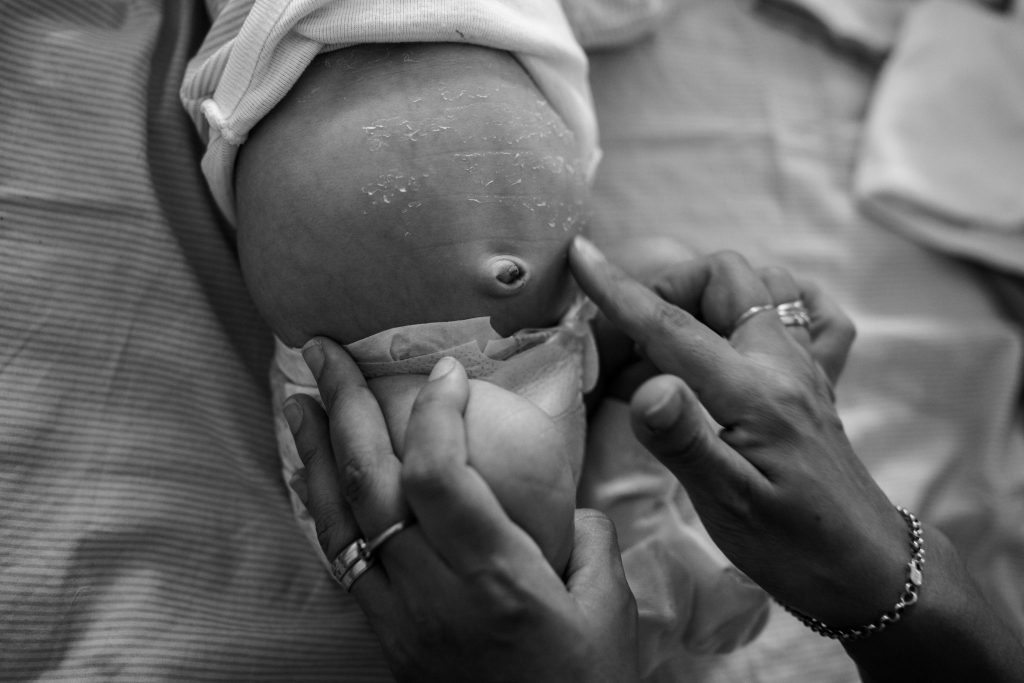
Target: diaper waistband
[(415, 349)]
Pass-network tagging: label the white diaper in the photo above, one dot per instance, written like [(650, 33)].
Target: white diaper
[(552, 367), (256, 50)]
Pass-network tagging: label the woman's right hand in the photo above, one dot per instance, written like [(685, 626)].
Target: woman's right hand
[(778, 485)]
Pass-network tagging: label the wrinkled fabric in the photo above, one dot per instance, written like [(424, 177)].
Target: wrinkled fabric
[(943, 154), (869, 27)]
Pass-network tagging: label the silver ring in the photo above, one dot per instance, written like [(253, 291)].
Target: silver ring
[(357, 569), (794, 314), (348, 557), (748, 314), (381, 538)]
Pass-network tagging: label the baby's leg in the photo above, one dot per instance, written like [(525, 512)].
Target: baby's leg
[(518, 450)]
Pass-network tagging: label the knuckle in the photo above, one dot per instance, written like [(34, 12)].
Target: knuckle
[(509, 600), (774, 273), (787, 389), (658, 321), (308, 453), (428, 398), (729, 260), (740, 506), (668, 316), (679, 448), (326, 521), (354, 481), (360, 472), (792, 399), (686, 449), (333, 397), (597, 519), (847, 330), (420, 477), (781, 410)]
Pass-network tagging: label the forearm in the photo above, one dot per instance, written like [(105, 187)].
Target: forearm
[(951, 634)]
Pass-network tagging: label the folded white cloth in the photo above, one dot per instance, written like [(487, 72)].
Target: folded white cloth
[(870, 25), (942, 158), (256, 50)]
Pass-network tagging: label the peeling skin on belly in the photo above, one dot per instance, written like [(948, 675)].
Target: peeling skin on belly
[(407, 184)]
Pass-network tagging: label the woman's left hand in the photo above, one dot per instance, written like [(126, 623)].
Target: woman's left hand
[(462, 593)]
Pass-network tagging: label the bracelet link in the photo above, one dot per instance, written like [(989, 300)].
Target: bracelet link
[(915, 578)]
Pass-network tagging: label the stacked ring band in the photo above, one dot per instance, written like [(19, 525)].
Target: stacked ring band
[(791, 314), (351, 563), (794, 314), (355, 570), (357, 557)]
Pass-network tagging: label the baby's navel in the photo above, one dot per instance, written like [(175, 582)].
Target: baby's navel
[(508, 273)]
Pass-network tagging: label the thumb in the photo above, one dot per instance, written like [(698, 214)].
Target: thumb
[(597, 583), (671, 423), (595, 576)]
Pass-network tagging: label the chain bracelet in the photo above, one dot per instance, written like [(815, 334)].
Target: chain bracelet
[(907, 598)]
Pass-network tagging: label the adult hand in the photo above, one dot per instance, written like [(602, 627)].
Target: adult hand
[(462, 594), (778, 486)]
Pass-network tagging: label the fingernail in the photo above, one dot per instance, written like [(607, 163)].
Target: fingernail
[(663, 414), (442, 368), (313, 354), (293, 415), (587, 250)]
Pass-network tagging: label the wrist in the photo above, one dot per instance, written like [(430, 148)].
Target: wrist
[(951, 634), (913, 575)]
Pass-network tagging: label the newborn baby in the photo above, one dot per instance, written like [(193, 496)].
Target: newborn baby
[(398, 187), (407, 182)]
